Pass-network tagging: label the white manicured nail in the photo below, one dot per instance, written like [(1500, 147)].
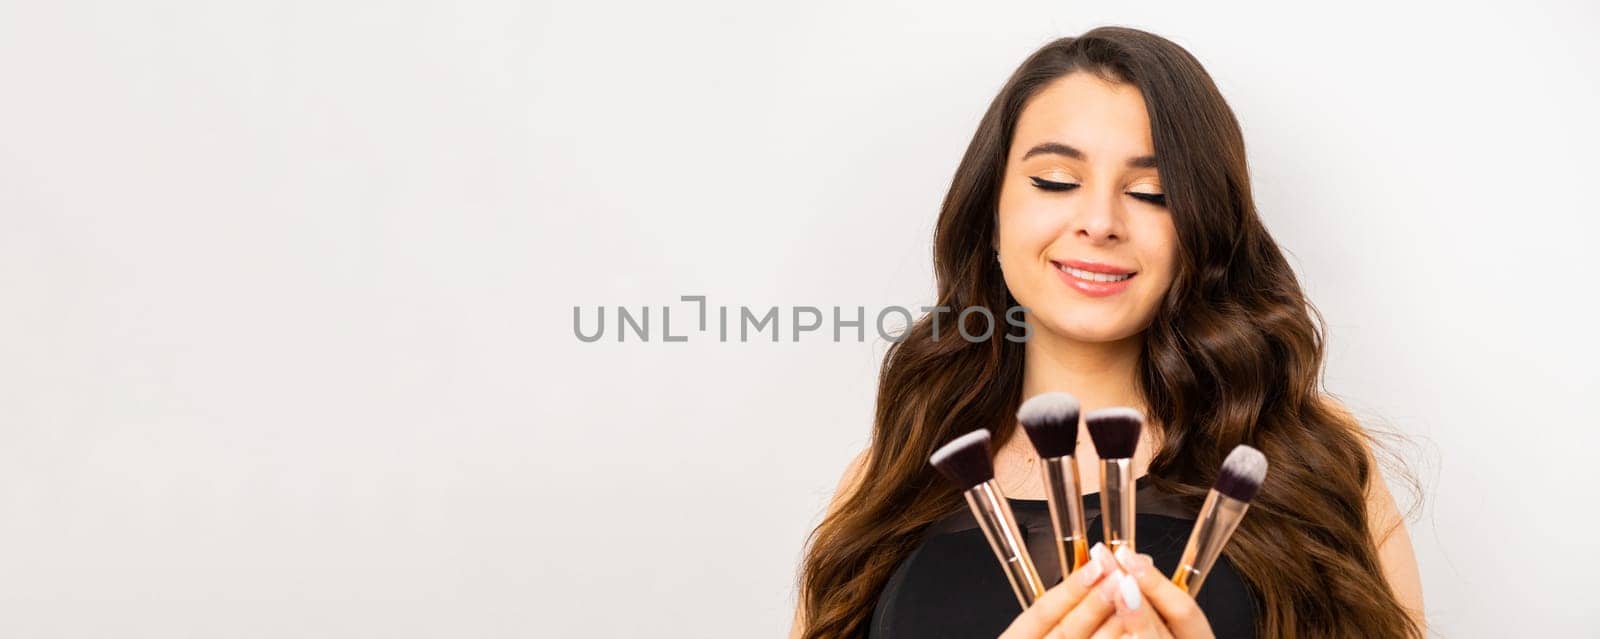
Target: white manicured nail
[(1130, 592), (1124, 556), (1090, 572)]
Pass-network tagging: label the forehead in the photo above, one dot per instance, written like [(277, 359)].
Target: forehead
[(1105, 120)]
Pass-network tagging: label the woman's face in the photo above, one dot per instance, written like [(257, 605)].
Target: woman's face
[(1085, 239)]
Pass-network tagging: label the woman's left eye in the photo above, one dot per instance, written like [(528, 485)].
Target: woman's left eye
[(1158, 199)]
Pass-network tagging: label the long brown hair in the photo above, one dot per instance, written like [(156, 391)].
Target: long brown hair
[(1233, 356)]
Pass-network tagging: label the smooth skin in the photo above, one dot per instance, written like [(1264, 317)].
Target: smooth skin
[(1106, 208)]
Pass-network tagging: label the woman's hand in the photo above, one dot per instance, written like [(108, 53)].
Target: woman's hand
[(1150, 606), (1074, 608)]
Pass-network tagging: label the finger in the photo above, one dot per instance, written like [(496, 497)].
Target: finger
[(1138, 620), (1049, 608), (1177, 609), (1111, 628), (1096, 606)]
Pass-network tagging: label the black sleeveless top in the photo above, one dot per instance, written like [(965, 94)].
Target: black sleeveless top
[(952, 586)]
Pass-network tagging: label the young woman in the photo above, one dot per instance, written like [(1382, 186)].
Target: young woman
[(1106, 191)]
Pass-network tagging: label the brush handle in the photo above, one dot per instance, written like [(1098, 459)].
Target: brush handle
[(1065, 498), (999, 526), (1116, 503), (1218, 518)]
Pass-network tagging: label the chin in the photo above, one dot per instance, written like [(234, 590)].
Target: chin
[(1093, 328)]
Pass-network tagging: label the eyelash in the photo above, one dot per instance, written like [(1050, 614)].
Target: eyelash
[(1158, 199)]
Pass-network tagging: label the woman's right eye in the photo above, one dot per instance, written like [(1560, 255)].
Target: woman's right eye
[(1053, 186)]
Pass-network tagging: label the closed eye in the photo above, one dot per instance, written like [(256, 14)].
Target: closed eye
[(1047, 185), (1158, 199)]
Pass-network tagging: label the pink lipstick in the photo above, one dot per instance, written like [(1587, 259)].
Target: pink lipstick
[(1094, 279)]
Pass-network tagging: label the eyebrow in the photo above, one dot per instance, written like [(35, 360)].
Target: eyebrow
[(1057, 148)]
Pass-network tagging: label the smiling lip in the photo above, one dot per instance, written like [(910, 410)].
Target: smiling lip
[(1089, 277)]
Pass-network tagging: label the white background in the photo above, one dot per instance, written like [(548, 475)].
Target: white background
[(286, 347)]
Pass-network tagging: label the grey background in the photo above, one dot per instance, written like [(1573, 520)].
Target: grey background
[(286, 347)]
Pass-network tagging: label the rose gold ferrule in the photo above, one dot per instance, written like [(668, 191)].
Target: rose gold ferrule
[(999, 525), (1116, 503), (1065, 497), (1219, 516)]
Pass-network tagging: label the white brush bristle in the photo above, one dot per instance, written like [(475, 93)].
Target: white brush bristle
[(1050, 406), (1246, 463), (1116, 412), (959, 443)]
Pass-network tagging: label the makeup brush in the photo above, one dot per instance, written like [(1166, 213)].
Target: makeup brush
[(1115, 432), (968, 462), (1237, 483), (1051, 422)]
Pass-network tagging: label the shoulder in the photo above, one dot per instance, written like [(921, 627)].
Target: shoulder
[(1385, 522), (1381, 505), (849, 482)]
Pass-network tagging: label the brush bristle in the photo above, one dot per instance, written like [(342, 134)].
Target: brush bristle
[(966, 460), (1051, 421), (1242, 473), (1115, 431)]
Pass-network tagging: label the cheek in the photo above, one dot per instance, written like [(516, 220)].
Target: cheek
[(1161, 253), (1027, 224)]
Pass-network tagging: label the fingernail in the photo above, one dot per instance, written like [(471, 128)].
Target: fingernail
[(1102, 555), (1130, 593), (1133, 563), (1087, 573), (1108, 588)]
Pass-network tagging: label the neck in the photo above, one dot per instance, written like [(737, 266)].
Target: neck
[(1099, 374)]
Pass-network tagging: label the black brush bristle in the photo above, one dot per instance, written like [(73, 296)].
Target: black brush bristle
[(1115, 431), (966, 460), (1051, 421), (1242, 473)]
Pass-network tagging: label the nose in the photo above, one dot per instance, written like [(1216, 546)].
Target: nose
[(1099, 220)]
